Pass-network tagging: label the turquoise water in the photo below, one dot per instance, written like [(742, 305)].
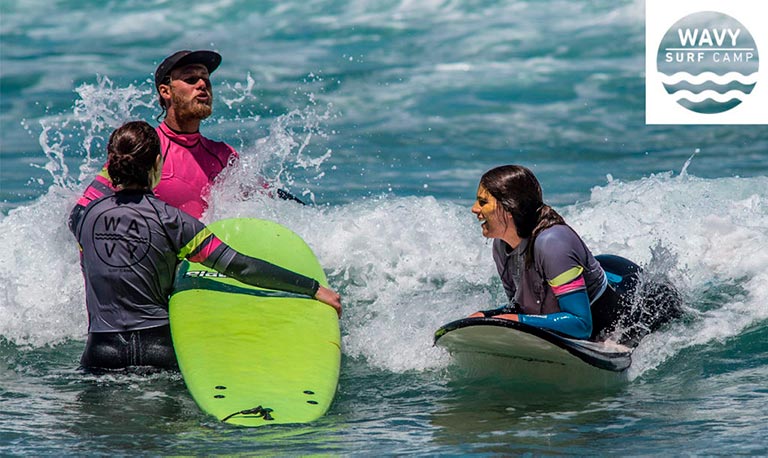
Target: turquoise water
[(385, 114)]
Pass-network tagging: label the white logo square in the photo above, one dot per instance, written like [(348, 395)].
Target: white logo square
[(702, 62)]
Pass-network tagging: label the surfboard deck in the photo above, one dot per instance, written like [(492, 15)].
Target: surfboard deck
[(517, 340), (251, 356), (486, 346)]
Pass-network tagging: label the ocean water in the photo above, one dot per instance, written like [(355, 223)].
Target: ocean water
[(383, 115)]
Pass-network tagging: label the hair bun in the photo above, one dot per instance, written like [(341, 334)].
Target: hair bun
[(131, 153)]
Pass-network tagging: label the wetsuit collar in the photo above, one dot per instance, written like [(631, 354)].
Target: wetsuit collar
[(508, 250), (131, 195), (135, 191), (182, 138)]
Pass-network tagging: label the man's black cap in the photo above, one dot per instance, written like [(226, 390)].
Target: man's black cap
[(211, 60)]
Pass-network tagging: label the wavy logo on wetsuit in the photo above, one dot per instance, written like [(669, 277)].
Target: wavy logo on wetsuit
[(708, 62), (121, 237)]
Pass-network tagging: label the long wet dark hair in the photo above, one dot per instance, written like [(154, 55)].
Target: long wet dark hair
[(131, 153), (519, 193)]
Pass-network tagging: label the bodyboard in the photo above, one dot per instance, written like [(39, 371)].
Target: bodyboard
[(251, 356)]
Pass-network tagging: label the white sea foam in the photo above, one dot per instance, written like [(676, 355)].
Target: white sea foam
[(718, 232), (41, 288)]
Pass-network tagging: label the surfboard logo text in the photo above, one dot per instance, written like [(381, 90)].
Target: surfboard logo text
[(203, 274)]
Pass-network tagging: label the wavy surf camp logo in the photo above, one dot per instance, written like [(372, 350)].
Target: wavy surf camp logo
[(708, 62), (705, 67)]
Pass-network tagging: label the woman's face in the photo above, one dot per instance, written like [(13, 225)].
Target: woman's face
[(495, 222)]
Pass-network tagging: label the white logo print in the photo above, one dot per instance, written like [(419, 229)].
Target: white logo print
[(707, 62)]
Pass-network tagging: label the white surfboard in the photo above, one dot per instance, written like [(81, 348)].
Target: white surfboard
[(503, 346)]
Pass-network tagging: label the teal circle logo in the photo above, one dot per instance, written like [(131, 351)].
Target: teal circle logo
[(709, 62)]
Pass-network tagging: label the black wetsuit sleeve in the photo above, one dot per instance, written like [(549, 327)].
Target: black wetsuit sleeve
[(198, 244), (263, 274)]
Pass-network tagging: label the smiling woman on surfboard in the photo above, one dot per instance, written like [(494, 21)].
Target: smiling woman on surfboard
[(551, 278), (131, 243)]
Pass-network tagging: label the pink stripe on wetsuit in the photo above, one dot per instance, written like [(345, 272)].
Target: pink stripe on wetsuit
[(206, 250), (574, 285), (100, 186)]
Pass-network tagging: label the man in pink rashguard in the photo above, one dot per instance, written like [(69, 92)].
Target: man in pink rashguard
[(192, 161)]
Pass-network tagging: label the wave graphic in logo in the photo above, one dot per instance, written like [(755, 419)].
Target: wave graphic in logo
[(709, 92), (708, 62)]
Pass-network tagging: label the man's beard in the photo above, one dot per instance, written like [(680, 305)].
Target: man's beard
[(190, 109)]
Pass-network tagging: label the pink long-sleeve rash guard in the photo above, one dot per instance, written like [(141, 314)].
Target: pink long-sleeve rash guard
[(191, 164)]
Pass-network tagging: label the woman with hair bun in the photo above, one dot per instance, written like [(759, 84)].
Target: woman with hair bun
[(131, 243), (551, 278)]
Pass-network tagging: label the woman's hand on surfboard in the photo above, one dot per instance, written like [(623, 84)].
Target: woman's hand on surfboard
[(330, 297)]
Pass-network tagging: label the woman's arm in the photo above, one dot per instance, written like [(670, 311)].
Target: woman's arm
[(208, 250), (574, 319)]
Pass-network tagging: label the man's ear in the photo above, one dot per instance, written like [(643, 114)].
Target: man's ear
[(164, 94)]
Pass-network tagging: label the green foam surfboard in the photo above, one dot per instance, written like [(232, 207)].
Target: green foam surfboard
[(251, 356)]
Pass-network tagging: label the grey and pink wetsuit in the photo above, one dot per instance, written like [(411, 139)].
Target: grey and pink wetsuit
[(556, 290), (131, 243)]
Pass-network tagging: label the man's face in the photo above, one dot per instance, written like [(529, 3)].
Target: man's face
[(190, 91)]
